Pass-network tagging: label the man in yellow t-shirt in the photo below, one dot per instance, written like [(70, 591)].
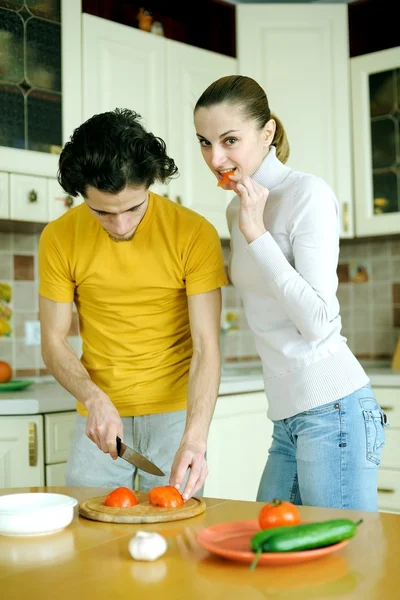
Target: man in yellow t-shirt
[(145, 275)]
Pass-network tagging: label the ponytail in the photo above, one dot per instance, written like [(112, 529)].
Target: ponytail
[(280, 141)]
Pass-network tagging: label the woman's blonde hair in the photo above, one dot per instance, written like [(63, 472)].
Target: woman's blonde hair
[(252, 100)]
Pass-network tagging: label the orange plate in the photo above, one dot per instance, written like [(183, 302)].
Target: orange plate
[(232, 541)]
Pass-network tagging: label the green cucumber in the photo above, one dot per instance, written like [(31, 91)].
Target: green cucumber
[(306, 536), (310, 536)]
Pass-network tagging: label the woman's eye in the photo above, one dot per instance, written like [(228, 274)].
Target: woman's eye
[(230, 141), (204, 143)]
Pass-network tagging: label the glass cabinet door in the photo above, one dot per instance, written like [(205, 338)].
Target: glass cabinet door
[(384, 92), (30, 75)]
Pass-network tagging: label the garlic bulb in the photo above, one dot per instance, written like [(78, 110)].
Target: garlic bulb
[(147, 546)]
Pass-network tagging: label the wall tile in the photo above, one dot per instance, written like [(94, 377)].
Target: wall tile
[(25, 296), (6, 266), (24, 267)]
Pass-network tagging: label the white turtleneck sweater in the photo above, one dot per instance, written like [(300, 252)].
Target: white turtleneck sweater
[(287, 281)]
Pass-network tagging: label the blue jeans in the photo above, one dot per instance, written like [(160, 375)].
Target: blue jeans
[(328, 456)]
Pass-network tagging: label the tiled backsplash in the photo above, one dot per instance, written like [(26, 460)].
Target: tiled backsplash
[(19, 304), (369, 294)]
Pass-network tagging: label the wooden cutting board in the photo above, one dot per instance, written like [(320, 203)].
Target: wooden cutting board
[(144, 512)]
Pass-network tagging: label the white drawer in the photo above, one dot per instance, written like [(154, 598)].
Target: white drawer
[(391, 450), (389, 489), (55, 474), (59, 428), (389, 399), (29, 196)]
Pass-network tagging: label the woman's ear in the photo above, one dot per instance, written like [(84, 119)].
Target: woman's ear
[(269, 132)]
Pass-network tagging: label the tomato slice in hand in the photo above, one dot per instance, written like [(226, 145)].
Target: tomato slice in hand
[(278, 513), (225, 178), (121, 497), (166, 496)]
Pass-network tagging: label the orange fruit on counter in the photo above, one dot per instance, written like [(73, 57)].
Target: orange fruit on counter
[(5, 372)]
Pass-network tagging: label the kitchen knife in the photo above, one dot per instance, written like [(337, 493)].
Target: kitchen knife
[(136, 459)]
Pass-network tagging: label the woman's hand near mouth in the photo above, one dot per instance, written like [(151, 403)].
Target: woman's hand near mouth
[(253, 198)]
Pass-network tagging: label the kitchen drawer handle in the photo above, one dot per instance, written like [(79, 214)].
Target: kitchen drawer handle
[(33, 445), (385, 491), (178, 200), (33, 196), (346, 216), (387, 408)]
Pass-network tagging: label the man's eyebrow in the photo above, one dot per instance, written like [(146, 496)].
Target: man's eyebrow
[(221, 136), (104, 212)]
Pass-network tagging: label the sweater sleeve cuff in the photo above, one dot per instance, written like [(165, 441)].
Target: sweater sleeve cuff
[(271, 259)]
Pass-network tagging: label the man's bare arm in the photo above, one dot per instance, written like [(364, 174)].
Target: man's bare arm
[(104, 422), (204, 378)]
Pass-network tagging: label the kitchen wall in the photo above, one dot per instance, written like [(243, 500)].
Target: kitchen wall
[(369, 294)]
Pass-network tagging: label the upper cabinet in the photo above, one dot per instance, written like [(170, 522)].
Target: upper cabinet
[(376, 114), (161, 80), (40, 93), (299, 54)]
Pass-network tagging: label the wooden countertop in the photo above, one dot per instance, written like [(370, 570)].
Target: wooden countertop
[(90, 560)]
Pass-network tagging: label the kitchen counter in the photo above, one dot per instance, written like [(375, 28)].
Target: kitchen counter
[(49, 396), (90, 559)]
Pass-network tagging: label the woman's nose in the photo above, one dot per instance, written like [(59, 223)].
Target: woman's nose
[(217, 158)]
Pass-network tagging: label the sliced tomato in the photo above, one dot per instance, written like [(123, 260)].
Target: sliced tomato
[(166, 496), (121, 497), (225, 178)]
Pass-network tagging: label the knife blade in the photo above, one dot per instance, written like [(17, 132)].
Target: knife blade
[(136, 459)]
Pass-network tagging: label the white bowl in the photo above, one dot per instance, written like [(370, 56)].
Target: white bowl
[(35, 514)]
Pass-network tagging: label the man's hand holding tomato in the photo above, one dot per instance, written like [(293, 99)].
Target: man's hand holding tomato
[(189, 456)]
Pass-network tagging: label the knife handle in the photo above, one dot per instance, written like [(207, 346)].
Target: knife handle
[(118, 445)]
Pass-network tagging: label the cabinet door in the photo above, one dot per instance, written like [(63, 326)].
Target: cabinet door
[(190, 71), (376, 123), (29, 196), (4, 197), (59, 201), (299, 55), (21, 451), (124, 68), (237, 450), (40, 82), (59, 428), (55, 474)]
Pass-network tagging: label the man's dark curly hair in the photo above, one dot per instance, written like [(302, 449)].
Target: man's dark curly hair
[(111, 151)]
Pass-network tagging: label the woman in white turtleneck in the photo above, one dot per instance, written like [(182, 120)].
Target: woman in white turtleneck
[(284, 225)]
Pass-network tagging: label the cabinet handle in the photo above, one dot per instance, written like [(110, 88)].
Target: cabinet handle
[(385, 491), (32, 196), (68, 201), (178, 200), (33, 445), (387, 408), (346, 220)]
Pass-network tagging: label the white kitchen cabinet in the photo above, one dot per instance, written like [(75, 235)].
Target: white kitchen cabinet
[(34, 162), (34, 449), (299, 55), (4, 196), (375, 84), (29, 198), (58, 201), (161, 80), (21, 451), (238, 443), (389, 472)]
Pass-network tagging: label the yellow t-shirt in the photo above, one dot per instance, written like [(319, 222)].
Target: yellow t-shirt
[(132, 298)]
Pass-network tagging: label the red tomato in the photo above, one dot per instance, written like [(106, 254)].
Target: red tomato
[(166, 496), (121, 497), (278, 513), (225, 178)]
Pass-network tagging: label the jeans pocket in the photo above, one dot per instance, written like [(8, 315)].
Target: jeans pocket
[(375, 433)]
